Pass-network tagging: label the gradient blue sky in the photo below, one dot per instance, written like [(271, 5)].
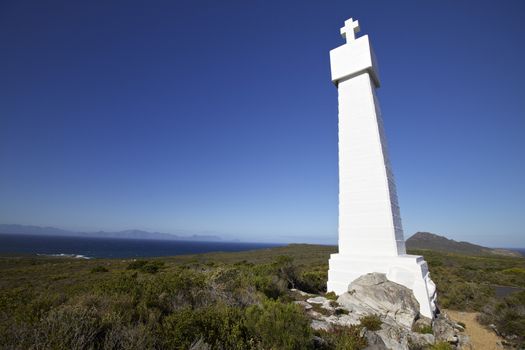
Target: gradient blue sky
[(220, 117)]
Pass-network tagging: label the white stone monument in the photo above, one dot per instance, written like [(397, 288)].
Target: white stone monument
[(370, 231)]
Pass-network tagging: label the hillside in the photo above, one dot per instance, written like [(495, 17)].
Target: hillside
[(239, 300), (228, 300), (431, 241)]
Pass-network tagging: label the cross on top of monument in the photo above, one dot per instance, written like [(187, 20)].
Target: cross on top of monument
[(350, 29)]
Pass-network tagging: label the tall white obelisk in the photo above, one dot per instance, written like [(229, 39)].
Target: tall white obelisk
[(370, 231)]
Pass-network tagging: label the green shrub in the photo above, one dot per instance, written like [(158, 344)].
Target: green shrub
[(137, 264), (279, 326), (312, 281), (272, 286), (465, 295), (344, 338), (68, 327), (286, 270), (150, 268), (441, 346), (146, 266), (423, 329), (515, 270), (99, 269), (341, 311), (331, 296), (220, 327), (508, 315), (371, 322)]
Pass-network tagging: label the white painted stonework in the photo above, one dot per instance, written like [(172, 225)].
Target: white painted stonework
[(370, 230)]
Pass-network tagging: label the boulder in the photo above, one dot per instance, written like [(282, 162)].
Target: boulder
[(373, 293), (374, 341), (443, 329), (395, 337)]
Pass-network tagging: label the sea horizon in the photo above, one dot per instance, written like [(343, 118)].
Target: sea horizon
[(110, 247)]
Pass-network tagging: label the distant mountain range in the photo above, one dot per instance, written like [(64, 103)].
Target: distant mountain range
[(128, 234), (431, 241)]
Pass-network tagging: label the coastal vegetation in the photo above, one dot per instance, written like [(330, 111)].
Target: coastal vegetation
[(239, 300)]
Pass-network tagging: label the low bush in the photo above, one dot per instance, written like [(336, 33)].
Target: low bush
[(218, 326), (146, 266), (331, 296), (341, 311), (441, 346), (137, 264), (99, 269), (343, 338), (423, 329), (279, 326), (312, 281), (371, 322)]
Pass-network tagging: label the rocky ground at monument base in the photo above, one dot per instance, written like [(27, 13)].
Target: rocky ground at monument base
[(387, 315)]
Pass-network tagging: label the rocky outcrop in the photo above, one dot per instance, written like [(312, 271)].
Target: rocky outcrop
[(402, 327), (373, 293)]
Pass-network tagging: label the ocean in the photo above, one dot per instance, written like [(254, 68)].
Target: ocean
[(88, 248)]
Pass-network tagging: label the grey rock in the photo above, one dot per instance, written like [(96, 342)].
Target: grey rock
[(304, 294), (304, 304), (459, 327), (315, 315), (321, 325), (373, 340), (394, 337), (342, 320), (317, 300), (371, 279), (319, 342), (453, 340), (443, 329), (324, 302), (200, 345), (421, 341), (373, 293), (464, 342)]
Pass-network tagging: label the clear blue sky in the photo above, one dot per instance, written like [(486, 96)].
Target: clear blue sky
[(220, 117)]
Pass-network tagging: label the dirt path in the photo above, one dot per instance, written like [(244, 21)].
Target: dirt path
[(480, 337)]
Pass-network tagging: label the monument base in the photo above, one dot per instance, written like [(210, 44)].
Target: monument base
[(410, 271)]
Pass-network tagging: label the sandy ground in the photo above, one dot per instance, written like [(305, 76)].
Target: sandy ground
[(480, 337)]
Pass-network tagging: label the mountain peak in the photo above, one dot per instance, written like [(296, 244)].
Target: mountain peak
[(432, 241)]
